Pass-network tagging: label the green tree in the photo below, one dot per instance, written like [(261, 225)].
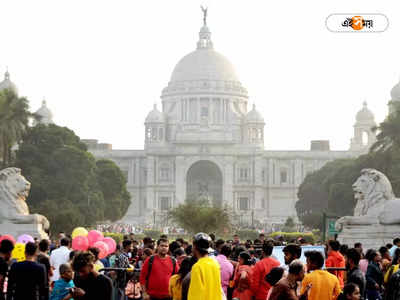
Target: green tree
[(112, 183), (14, 119), (330, 188), (68, 185), (290, 225), (198, 216)]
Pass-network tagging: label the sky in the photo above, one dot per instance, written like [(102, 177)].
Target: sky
[(101, 65)]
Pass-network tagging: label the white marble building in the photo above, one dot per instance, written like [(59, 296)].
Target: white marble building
[(205, 141)]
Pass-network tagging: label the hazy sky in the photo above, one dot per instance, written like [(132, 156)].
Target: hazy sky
[(102, 64)]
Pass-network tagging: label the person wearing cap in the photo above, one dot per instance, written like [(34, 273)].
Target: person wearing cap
[(205, 283)]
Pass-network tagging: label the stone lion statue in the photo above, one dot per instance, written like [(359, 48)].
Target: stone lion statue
[(376, 202), (14, 189)]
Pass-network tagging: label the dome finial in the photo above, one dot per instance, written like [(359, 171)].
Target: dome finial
[(44, 102), (365, 104), (204, 10), (204, 34), (7, 74)]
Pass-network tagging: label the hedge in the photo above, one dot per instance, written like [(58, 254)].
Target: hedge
[(290, 236)]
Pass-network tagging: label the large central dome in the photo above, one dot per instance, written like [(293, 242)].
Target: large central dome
[(204, 63)]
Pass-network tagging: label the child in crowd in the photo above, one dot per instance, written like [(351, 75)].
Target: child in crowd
[(63, 286), (133, 289)]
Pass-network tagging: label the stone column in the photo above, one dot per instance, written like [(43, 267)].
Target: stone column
[(180, 179)]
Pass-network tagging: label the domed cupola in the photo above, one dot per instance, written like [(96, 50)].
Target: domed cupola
[(7, 83), (254, 116), (254, 127), (155, 116), (364, 135), (43, 115), (365, 115), (155, 124)]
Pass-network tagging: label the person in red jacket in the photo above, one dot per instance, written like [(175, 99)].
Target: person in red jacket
[(155, 282), (335, 260), (258, 284)]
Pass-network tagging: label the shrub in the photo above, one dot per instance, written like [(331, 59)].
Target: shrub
[(247, 234), (154, 234), (118, 237), (290, 236)]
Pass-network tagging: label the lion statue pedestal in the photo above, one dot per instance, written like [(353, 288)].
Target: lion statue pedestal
[(15, 218), (376, 219)]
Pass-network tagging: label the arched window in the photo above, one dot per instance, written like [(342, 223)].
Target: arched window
[(284, 175), (164, 203), (153, 134), (160, 134), (148, 133), (244, 173), (365, 138), (244, 203)]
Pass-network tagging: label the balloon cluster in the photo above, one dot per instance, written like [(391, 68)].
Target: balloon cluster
[(82, 240), (18, 252)]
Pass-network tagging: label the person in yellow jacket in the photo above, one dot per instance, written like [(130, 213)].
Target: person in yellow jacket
[(205, 282)]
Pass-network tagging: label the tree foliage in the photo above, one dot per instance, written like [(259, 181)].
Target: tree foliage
[(69, 186), (198, 216), (330, 188), (289, 225), (14, 119)]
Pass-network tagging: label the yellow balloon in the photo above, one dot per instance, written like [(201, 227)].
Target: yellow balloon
[(79, 231), (19, 252)]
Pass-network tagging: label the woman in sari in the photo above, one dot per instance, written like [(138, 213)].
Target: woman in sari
[(242, 277)]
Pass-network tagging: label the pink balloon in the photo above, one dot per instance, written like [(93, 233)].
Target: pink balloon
[(25, 238), (103, 248), (7, 237), (94, 236), (112, 245), (80, 243)]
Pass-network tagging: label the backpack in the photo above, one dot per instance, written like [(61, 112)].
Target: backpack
[(151, 260)]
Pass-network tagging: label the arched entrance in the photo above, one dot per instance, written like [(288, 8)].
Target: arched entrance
[(204, 180)]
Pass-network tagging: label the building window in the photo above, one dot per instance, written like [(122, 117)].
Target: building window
[(204, 112), (164, 173), (243, 174), (243, 203), (153, 134), (284, 176), (164, 203), (145, 176), (160, 134), (148, 133)]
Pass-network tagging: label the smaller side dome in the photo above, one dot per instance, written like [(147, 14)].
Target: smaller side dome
[(254, 116), (395, 92), (155, 116), (365, 115), (7, 83), (44, 114)]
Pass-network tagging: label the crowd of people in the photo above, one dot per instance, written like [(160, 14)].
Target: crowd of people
[(202, 269)]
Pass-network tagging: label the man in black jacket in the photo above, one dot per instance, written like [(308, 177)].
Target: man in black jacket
[(354, 274), (28, 279), (89, 284)]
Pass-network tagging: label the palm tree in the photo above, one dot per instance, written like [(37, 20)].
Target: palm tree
[(14, 119)]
